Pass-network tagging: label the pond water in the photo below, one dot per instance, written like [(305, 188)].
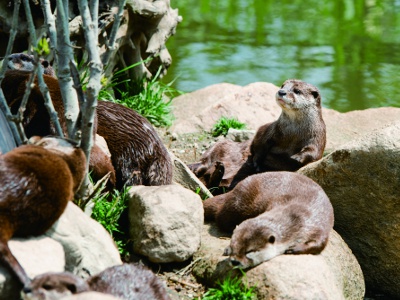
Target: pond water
[(349, 49)]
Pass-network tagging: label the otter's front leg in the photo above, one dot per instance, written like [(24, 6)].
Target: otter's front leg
[(307, 154)]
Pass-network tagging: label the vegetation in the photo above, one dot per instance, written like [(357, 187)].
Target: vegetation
[(230, 289), (149, 97), (107, 211), (223, 124)]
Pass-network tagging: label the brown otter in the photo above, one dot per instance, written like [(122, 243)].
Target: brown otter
[(26, 62), (278, 213), (37, 181), (127, 281), (297, 138), (137, 152)]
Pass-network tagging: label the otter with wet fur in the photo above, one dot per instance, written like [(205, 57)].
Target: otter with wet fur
[(297, 138), (127, 281), (277, 213), (37, 181), (26, 62)]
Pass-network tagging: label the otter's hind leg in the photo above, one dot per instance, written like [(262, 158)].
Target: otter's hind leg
[(12, 264)]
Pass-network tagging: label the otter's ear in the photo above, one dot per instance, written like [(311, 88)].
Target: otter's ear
[(227, 251), (271, 239), (34, 140)]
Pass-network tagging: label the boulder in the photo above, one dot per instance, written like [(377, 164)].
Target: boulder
[(36, 255), (165, 222), (333, 274), (90, 296), (89, 249), (362, 180)]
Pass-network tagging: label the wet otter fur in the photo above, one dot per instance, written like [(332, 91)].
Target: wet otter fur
[(277, 213), (37, 181), (297, 138), (137, 152), (127, 281)]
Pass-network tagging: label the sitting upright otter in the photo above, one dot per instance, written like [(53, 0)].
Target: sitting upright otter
[(26, 62), (297, 138), (277, 213), (37, 181)]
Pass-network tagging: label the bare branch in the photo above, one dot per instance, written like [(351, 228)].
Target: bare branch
[(51, 26)]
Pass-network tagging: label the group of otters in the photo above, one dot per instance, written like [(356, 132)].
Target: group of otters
[(270, 209)]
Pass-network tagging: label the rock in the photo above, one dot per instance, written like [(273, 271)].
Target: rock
[(361, 179), (89, 249), (165, 222), (183, 176), (333, 274), (36, 255), (240, 135), (253, 105), (90, 296)]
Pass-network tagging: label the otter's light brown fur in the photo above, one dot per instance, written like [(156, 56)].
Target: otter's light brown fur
[(278, 212), (297, 138), (37, 181)]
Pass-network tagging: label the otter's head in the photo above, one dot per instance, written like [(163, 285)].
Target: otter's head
[(252, 243), (295, 94), (52, 286), (69, 151), (26, 62)]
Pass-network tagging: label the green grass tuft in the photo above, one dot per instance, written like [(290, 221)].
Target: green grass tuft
[(230, 289), (223, 124), (107, 211)]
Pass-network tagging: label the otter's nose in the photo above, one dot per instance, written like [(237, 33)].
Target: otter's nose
[(235, 262), (281, 93)]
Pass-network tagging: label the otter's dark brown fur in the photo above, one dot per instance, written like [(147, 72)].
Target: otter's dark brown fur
[(137, 152), (278, 212), (128, 282), (297, 138), (37, 181)]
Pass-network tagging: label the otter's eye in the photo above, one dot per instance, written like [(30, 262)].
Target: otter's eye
[(296, 91), (271, 239), (47, 287), (24, 58)]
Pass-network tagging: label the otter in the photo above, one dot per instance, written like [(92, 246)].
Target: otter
[(276, 213), (127, 281), (297, 138), (137, 152), (37, 181), (26, 62)]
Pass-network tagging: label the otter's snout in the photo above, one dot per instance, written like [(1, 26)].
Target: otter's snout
[(235, 262), (282, 93)]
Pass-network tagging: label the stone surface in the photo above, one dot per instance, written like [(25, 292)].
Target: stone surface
[(89, 249), (36, 255), (333, 274), (165, 222), (362, 180), (90, 296)]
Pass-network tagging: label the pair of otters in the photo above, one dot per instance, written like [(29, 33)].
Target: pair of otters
[(271, 211)]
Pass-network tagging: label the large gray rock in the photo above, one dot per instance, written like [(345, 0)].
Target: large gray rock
[(89, 249), (253, 104), (333, 274), (36, 255), (165, 222), (90, 296), (362, 180)]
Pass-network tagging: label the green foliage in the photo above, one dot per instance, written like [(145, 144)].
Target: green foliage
[(42, 47), (223, 124), (149, 97), (230, 289), (107, 211)]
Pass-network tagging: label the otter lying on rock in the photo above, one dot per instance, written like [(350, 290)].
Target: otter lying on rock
[(276, 213), (297, 138), (128, 282), (37, 181)]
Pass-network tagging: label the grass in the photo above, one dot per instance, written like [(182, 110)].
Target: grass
[(230, 289), (149, 97), (222, 126), (107, 211)]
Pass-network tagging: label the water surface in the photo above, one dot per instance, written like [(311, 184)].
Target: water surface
[(349, 49)]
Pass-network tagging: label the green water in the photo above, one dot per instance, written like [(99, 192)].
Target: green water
[(349, 49)]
